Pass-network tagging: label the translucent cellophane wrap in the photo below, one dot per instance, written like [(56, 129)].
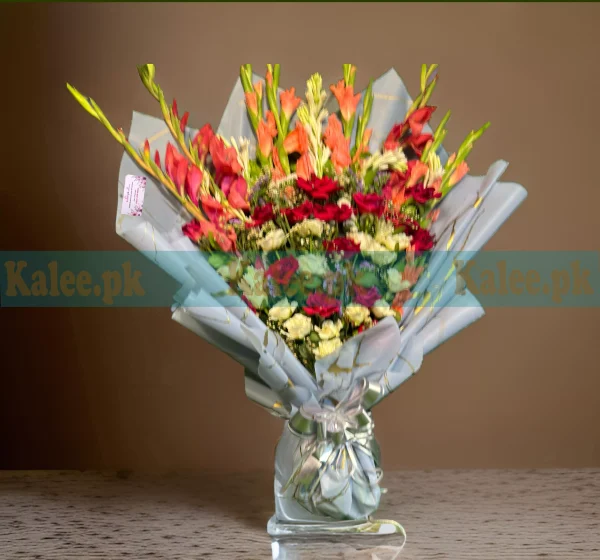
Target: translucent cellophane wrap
[(375, 362)]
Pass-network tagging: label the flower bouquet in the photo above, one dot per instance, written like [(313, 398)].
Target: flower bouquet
[(319, 243)]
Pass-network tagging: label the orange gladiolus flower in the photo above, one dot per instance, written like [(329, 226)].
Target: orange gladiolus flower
[(278, 172), (363, 148), (266, 132), (251, 102), (289, 102), (346, 99), (411, 273), (418, 171), (338, 144), (458, 173), (296, 141), (304, 168)]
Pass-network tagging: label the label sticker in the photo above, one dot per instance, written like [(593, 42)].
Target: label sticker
[(133, 195)]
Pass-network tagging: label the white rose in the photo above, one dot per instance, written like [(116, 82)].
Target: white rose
[(327, 347), (344, 201), (329, 329), (282, 310), (309, 227), (375, 251), (298, 326), (312, 264), (395, 282), (356, 313), (273, 240), (381, 309)]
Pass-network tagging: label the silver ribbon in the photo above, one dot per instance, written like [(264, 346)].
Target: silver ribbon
[(336, 472)]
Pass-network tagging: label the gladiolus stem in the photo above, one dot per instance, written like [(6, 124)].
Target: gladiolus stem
[(142, 158)]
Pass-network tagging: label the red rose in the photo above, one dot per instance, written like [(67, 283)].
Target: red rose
[(321, 305), (369, 203), (261, 215), (344, 212), (298, 213), (349, 247), (318, 188), (325, 213), (282, 270), (421, 240), (366, 296), (422, 194)]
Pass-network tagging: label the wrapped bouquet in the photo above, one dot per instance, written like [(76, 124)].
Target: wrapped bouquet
[(319, 243)]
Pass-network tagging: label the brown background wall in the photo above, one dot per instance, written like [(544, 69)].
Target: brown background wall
[(521, 389)]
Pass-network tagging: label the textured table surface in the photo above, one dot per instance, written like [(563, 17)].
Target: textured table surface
[(481, 515)]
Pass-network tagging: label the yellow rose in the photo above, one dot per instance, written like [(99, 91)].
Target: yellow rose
[(356, 313), (381, 309), (282, 310), (273, 240), (327, 347), (329, 329), (298, 326)]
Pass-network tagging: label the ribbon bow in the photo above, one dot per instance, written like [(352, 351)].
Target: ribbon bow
[(335, 471)]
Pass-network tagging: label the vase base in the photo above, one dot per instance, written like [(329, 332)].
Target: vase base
[(368, 527)]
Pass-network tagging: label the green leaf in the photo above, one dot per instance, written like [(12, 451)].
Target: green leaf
[(366, 278), (313, 282), (217, 260)]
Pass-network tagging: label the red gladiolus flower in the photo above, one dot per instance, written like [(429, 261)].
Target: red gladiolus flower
[(419, 118), (224, 159), (282, 270), (325, 213), (418, 143), (238, 194), (173, 161), (421, 194), (261, 215), (193, 231), (198, 230), (192, 183), (369, 203), (318, 188), (299, 213), (321, 305), (183, 121), (393, 138), (342, 244), (202, 141), (214, 210), (366, 296)]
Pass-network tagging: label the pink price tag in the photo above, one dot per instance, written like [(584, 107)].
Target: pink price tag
[(133, 195)]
